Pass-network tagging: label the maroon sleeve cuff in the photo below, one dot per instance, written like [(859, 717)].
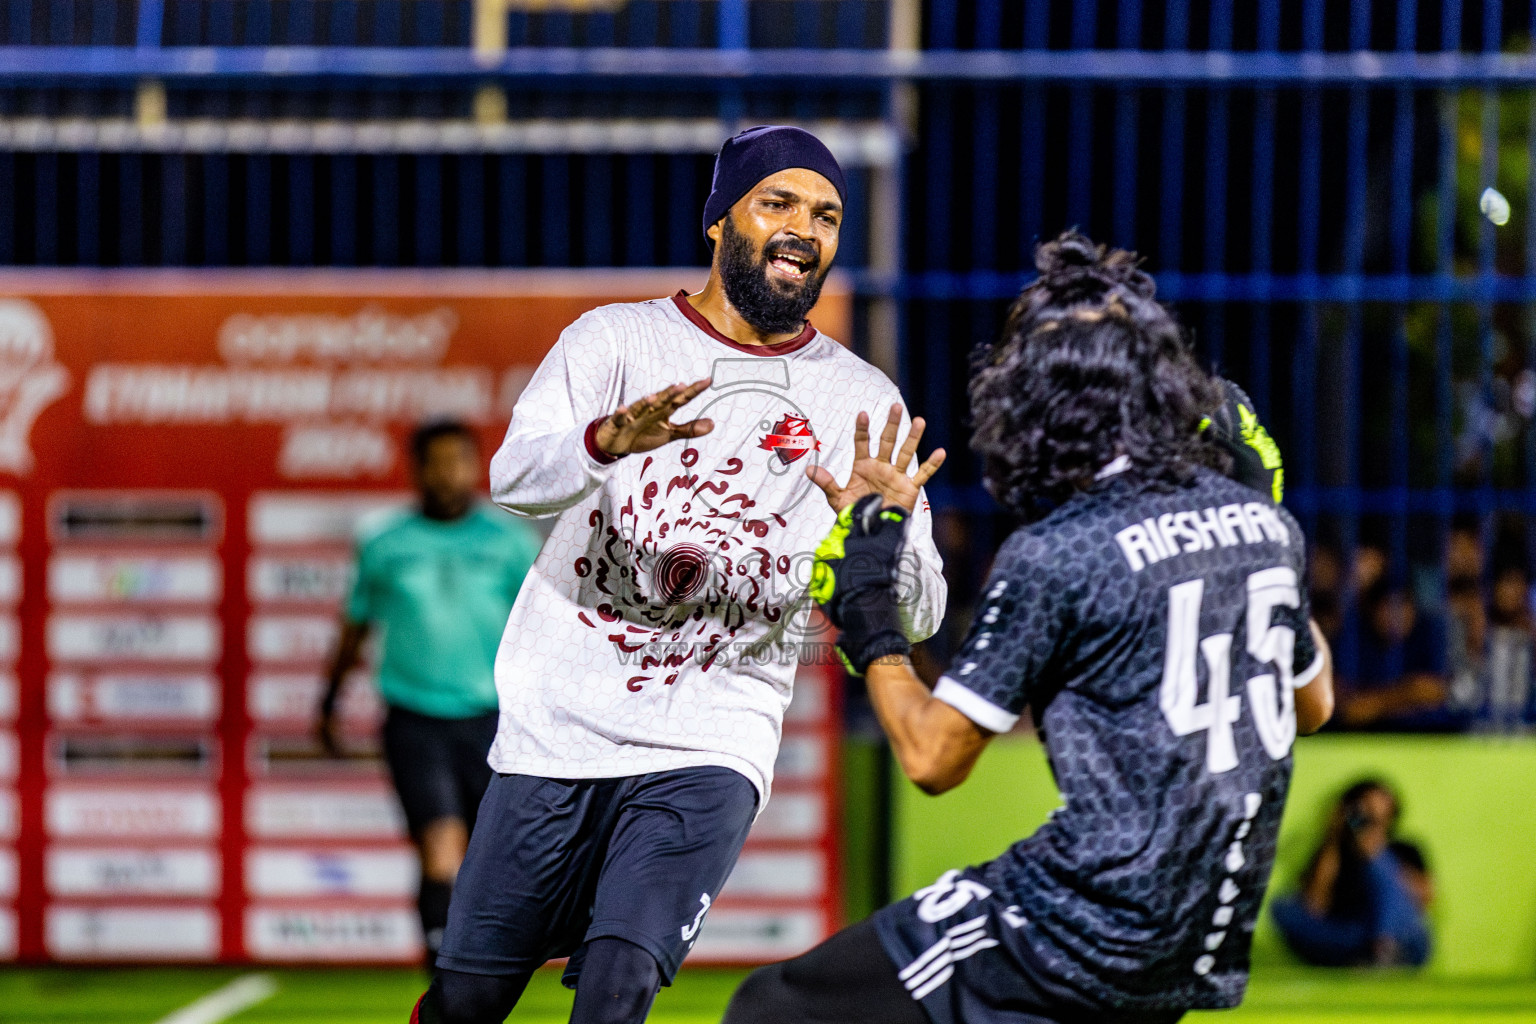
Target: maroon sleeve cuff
[(599, 456)]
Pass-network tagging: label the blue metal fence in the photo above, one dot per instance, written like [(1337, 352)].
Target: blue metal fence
[(1303, 177)]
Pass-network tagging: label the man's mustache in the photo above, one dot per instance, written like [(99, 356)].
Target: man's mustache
[(793, 247)]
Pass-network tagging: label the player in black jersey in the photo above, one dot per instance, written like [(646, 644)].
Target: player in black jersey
[(1151, 616)]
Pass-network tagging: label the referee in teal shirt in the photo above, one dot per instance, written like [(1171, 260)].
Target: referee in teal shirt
[(437, 583)]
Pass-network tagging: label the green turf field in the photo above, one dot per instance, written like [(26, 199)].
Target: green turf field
[(64, 996)]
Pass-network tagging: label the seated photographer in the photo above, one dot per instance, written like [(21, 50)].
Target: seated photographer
[(1363, 896)]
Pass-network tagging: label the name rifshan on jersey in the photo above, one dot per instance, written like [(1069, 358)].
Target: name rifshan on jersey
[(663, 622), (1157, 637)]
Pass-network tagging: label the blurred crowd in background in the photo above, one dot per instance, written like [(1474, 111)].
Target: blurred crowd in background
[(1447, 650)]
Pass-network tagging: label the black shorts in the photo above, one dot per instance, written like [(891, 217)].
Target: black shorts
[(958, 951), (848, 979), (556, 863), (438, 764), (852, 979)]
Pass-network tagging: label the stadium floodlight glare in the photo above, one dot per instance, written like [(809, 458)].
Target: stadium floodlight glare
[(1494, 206)]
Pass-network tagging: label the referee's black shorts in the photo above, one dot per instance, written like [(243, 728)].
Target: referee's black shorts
[(438, 764)]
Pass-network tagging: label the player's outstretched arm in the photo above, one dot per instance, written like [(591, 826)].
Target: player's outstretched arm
[(886, 472), (646, 423), (935, 745), (1314, 702), (552, 457), (852, 580)]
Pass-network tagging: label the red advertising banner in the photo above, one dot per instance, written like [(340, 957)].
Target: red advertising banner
[(184, 459)]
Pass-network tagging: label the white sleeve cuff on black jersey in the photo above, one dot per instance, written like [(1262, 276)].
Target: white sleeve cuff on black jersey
[(1301, 679), (974, 706)]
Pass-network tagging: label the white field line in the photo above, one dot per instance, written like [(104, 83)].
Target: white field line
[(223, 1003)]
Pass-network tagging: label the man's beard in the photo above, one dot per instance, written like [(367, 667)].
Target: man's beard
[(773, 307)]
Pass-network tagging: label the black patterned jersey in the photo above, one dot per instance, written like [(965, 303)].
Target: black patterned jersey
[(1157, 636)]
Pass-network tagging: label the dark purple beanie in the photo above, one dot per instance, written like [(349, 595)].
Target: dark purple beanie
[(758, 152)]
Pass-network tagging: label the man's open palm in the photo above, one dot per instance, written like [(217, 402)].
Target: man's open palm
[(883, 473), (646, 423)]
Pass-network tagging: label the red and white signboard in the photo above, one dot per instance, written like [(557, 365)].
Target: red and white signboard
[(185, 460)]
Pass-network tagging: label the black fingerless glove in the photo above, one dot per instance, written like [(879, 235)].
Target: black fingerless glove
[(853, 580)]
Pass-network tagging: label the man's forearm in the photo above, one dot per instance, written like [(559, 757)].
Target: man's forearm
[(1317, 887), (545, 474), (1314, 702), (349, 646), (935, 745), (897, 695)]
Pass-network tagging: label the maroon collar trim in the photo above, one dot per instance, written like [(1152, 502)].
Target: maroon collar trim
[(783, 348)]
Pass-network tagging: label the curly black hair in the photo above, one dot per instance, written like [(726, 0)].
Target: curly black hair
[(1089, 367)]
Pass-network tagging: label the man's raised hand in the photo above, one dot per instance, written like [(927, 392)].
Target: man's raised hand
[(646, 423), (884, 473)]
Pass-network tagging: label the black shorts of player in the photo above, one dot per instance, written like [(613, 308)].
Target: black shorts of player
[(848, 979), (851, 979), (963, 958), (556, 863), (438, 764)]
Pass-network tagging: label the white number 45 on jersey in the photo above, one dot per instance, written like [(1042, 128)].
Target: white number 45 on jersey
[(1274, 714)]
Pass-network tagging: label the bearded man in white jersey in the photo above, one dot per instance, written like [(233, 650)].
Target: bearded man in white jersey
[(695, 448)]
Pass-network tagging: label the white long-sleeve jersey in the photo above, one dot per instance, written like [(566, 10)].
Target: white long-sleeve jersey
[(662, 624)]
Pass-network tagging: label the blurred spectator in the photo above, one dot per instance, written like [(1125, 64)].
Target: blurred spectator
[(1505, 699), (1325, 584), (1466, 616), (1363, 897), (1489, 637), (1398, 682), (1370, 568)]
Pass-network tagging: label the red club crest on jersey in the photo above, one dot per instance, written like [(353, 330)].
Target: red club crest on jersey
[(790, 439)]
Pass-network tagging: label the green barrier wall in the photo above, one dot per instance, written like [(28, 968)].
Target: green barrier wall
[(1471, 803)]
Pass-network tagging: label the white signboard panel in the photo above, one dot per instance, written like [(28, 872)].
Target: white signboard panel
[(10, 815), (142, 812), (8, 871), (291, 637), (101, 578), (294, 696), (791, 816), (10, 639), (314, 813), (325, 578), (378, 873), (119, 637), (10, 579), (765, 874), (10, 756), (809, 704), (119, 872), (801, 759), (316, 518), (136, 696), (10, 696), (299, 933), (735, 935), (132, 933), (10, 517)]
